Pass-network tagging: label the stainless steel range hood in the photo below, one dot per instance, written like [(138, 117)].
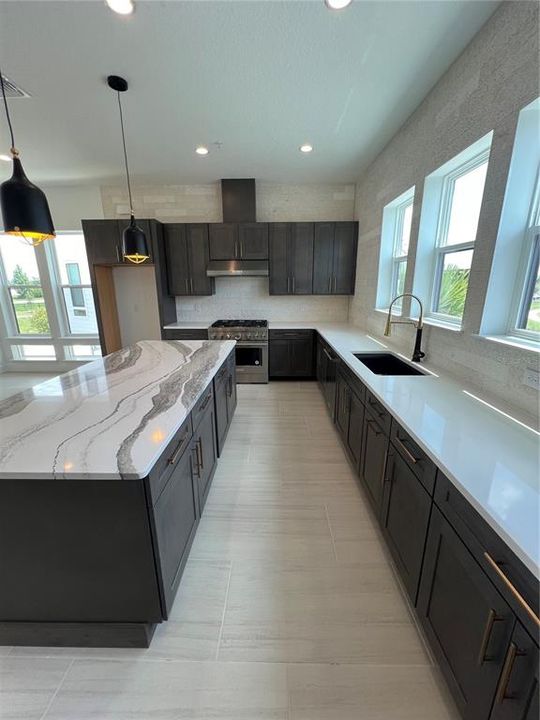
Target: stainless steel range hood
[(237, 268)]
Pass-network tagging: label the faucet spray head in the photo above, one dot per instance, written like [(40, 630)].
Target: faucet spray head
[(388, 327)]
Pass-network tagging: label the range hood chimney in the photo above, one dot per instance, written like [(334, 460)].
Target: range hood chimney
[(238, 201)]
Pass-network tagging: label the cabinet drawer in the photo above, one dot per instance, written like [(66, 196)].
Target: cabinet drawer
[(195, 334), (202, 403), (291, 334), (163, 469), (514, 581), (378, 410), (356, 385), (417, 460)]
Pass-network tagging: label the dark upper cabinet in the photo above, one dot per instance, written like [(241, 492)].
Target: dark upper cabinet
[(291, 353), (253, 241), (405, 519), (517, 694), (103, 242), (223, 241), (334, 258), (372, 466), (187, 254), (291, 258), (465, 619)]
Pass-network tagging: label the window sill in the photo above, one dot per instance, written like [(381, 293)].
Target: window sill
[(435, 322), (516, 342)]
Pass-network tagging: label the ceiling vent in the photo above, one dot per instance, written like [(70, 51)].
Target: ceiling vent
[(12, 90)]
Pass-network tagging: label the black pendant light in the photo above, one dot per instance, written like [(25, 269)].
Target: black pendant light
[(134, 244), (25, 210)]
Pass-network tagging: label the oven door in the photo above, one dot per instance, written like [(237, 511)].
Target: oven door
[(251, 362)]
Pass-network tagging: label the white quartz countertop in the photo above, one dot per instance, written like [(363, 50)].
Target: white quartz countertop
[(111, 418), (185, 325)]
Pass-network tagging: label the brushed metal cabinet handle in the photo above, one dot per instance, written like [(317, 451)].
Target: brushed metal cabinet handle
[(406, 451), (492, 618), (502, 690), (329, 283), (205, 403), (515, 592), (175, 454), (200, 453), (196, 469)]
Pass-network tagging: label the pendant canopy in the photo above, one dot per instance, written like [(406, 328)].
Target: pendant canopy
[(25, 210), (134, 243)]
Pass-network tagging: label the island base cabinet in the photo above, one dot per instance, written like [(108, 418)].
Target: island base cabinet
[(225, 401), (405, 519), (466, 620), (518, 692), (204, 448), (175, 521)]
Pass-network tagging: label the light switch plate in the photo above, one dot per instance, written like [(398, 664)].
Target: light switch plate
[(531, 378)]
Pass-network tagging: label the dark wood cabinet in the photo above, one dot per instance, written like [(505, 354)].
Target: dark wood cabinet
[(103, 242), (291, 353), (291, 258), (334, 258), (175, 521), (466, 620), (184, 334), (223, 241), (225, 401), (253, 241), (204, 447), (342, 406), (356, 425), (373, 461), (187, 255), (405, 520), (518, 690)]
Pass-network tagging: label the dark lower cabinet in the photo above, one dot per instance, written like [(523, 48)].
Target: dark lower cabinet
[(518, 691), (204, 447), (355, 429), (184, 334), (405, 519), (225, 400), (466, 620), (342, 406), (373, 461), (175, 521), (291, 354)]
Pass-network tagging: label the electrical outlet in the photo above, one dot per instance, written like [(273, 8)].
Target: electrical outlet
[(531, 378)]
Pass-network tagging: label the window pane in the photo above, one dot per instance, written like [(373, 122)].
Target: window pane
[(80, 311), (403, 247), (454, 281), (400, 268), (530, 318), (30, 311), (19, 261), (34, 352), (466, 204), (72, 260), (85, 352)]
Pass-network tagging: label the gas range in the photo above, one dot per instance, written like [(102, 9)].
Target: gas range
[(239, 330), (251, 347)]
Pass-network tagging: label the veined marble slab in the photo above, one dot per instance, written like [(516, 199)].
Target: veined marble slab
[(111, 418)]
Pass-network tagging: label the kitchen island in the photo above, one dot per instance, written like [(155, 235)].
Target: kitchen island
[(104, 472)]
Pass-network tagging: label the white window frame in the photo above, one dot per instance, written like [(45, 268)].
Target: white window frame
[(441, 249), (60, 336), (389, 261), (527, 273)]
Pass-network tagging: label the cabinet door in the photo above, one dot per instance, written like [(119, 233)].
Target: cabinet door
[(221, 396), (321, 363), (323, 258), (206, 452), (354, 431), (466, 620), (407, 508), (517, 694), (330, 384), (253, 241), (145, 227), (278, 256), (301, 353), (279, 358), (199, 257), (177, 259), (342, 406), (344, 265), (301, 259), (231, 387), (223, 241), (102, 239), (375, 445), (175, 518)]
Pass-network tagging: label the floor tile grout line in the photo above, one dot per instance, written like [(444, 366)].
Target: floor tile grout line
[(331, 532), (224, 611), (49, 704)]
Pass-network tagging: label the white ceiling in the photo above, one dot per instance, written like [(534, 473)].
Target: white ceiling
[(261, 77)]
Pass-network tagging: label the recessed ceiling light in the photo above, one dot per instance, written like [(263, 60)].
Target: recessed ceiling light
[(5, 158), (306, 148), (201, 150), (337, 4), (122, 7)]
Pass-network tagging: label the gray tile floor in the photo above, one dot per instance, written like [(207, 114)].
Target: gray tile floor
[(289, 608)]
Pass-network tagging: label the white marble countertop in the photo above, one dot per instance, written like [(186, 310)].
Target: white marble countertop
[(111, 418), (492, 459)]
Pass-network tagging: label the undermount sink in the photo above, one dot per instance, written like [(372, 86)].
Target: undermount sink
[(387, 364)]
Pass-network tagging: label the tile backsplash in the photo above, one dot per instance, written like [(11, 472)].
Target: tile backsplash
[(248, 297)]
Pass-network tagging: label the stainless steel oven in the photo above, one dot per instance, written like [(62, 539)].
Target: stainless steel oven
[(251, 347)]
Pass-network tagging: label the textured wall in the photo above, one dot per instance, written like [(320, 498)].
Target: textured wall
[(243, 297), (487, 86)]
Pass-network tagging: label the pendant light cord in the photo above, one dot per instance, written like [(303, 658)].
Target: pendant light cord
[(7, 114), (125, 155)]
